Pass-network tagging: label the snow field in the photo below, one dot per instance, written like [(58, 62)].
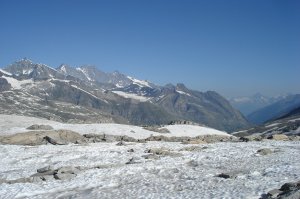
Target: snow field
[(168, 177)]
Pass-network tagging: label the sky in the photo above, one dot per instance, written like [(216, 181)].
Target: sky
[(234, 47)]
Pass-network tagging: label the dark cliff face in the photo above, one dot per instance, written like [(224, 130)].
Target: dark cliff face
[(86, 93)]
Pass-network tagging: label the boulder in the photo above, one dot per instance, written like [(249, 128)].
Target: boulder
[(279, 137), (274, 193), (45, 169), (264, 151), (251, 138), (42, 137), (64, 176), (227, 175), (192, 163), (287, 191)]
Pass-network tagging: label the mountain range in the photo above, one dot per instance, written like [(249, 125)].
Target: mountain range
[(87, 94), (250, 104)]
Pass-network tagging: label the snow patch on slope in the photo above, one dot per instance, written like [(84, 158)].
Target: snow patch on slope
[(183, 93), (6, 73), (139, 82), (11, 124), (16, 84), (132, 96)]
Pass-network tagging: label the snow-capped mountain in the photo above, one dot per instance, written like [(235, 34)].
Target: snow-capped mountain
[(74, 94)]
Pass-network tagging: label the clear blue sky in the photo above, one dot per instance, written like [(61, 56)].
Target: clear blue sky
[(234, 47)]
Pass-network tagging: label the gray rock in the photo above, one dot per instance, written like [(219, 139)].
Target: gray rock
[(45, 169), (151, 156), (133, 161), (264, 151), (163, 152), (121, 143), (42, 137), (54, 141), (64, 176), (279, 137), (227, 175), (287, 191), (68, 170), (274, 193), (192, 163)]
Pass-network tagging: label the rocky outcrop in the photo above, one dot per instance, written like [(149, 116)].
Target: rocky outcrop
[(43, 137), (287, 191), (279, 137)]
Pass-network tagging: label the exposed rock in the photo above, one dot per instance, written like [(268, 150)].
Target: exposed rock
[(192, 163), (121, 143), (53, 141), (40, 127), (68, 169), (251, 138), (64, 176), (45, 169), (274, 193), (287, 191), (151, 156), (279, 137), (162, 152), (294, 138), (133, 161), (264, 151), (130, 150), (227, 175), (194, 141), (42, 137)]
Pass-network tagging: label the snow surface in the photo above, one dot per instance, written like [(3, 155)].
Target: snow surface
[(167, 177), (84, 72), (132, 96), (74, 86), (271, 125), (6, 73), (139, 82), (11, 124), (16, 84), (183, 93)]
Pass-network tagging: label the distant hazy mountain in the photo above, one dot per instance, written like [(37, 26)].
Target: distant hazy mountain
[(275, 110), (249, 104), (288, 124), (86, 94)]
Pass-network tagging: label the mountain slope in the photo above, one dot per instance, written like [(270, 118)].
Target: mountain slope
[(87, 94), (275, 110), (250, 104)]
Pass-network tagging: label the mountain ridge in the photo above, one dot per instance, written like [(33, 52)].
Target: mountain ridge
[(110, 97)]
